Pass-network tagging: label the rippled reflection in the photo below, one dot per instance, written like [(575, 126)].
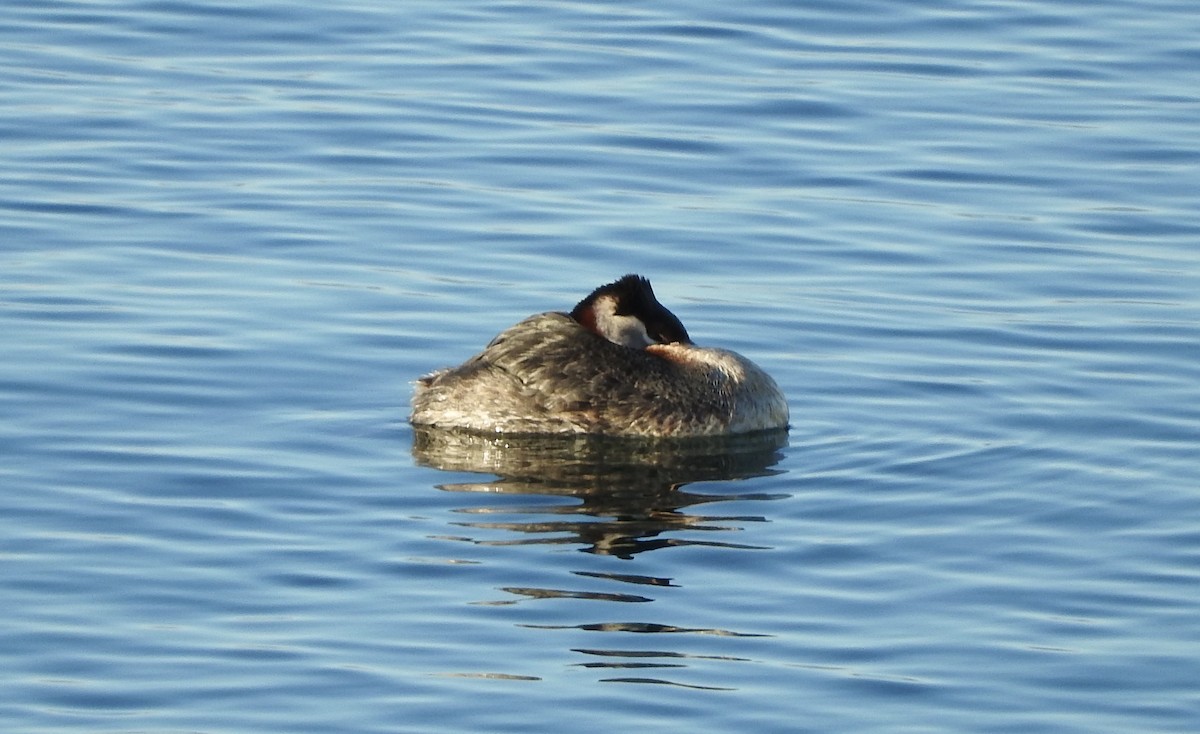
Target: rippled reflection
[(609, 497), (626, 497)]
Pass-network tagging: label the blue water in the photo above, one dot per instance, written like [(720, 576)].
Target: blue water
[(962, 237)]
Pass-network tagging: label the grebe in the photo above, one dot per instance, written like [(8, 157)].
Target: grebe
[(619, 364)]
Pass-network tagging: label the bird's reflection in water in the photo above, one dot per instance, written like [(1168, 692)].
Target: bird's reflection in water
[(615, 498), (627, 496)]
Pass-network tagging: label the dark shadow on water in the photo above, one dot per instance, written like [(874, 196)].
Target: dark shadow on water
[(616, 498), (626, 496)]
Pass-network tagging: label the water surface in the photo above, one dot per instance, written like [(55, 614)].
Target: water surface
[(962, 237)]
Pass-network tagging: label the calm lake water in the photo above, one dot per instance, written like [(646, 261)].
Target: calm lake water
[(962, 236)]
